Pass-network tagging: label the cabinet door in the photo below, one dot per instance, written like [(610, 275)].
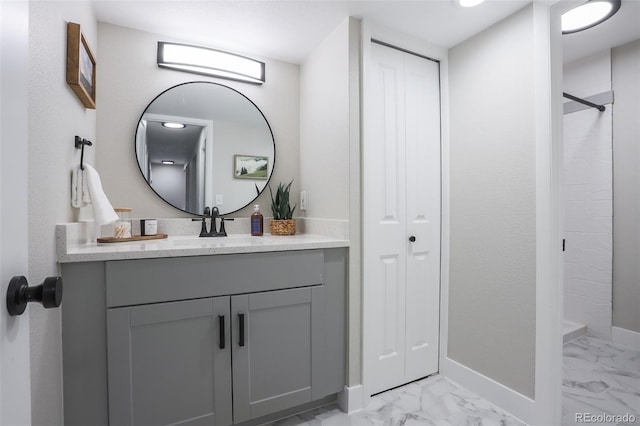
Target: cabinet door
[(277, 350), (170, 363)]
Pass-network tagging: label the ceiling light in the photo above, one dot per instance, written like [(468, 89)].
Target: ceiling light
[(588, 15), (168, 162), (470, 3), (171, 125), (201, 60)]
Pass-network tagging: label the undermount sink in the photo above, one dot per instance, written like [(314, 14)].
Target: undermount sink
[(230, 240)]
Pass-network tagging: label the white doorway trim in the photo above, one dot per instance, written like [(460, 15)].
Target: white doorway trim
[(549, 222)]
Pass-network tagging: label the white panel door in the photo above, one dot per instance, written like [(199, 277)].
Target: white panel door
[(401, 199), (15, 382), (423, 215), (384, 219)]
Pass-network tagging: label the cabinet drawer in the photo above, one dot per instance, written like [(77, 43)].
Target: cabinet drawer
[(135, 282)]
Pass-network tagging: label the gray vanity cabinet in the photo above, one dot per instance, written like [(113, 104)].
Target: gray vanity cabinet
[(203, 340), (170, 363)]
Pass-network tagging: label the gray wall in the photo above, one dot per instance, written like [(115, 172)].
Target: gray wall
[(55, 116), (329, 87), (492, 206), (626, 196), (324, 126), (170, 181), (129, 78)]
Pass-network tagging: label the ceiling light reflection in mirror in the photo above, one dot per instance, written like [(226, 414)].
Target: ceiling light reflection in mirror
[(470, 3), (172, 125)]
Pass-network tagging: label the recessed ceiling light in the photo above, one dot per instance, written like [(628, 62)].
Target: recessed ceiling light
[(588, 15), (171, 125), (470, 3), (168, 162)]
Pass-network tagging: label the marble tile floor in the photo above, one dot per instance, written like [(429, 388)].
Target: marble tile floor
[(431, 401), (602, 379)]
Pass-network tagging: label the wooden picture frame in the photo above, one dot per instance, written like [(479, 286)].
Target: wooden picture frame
[(254, 167), (81, 66)]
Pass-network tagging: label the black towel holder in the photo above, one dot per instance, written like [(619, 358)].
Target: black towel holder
[(80, 144)]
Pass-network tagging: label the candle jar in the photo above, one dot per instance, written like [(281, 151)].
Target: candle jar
[(122, 228)]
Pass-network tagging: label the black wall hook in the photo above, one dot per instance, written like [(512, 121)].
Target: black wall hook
[(80, 143)]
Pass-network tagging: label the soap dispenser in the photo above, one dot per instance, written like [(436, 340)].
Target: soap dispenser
[(257, 222)]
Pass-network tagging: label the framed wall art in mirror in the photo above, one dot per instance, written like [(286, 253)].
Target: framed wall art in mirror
[(81, 66), (187, 143), (250, 167)]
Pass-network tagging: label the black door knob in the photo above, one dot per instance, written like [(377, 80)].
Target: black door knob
[(49, 293), (412, 239)]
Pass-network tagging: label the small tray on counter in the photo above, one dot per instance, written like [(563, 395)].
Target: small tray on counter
[(134, 238)]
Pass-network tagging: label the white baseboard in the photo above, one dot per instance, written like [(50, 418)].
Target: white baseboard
[(514, 403), (572, 330), (351, 399), (625, 337)]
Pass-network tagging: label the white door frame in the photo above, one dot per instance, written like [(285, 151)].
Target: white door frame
[(15, 377), (372, 30)]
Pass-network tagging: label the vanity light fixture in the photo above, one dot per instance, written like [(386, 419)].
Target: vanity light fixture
[(202, 60), (168, 162), (588, 15), (171, 125)]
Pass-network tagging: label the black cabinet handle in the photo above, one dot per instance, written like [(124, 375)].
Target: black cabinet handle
[(241, 325), (222, 336), (412, 239)]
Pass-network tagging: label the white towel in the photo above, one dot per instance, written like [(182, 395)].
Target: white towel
[(86, 189)]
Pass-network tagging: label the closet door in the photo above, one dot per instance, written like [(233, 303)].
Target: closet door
[(401, 216), (423, 215), (384, 216)]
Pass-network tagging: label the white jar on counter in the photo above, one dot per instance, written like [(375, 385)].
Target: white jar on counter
[(122, 228)]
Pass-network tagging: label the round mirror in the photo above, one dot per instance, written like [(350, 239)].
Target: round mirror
[(202, 144)]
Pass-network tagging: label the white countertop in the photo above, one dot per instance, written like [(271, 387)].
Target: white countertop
[(177, 246)]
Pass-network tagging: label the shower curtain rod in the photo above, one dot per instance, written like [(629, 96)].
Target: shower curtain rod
[(583, 101)]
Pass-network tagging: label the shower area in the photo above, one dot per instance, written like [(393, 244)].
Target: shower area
[(588, 197), (601, 362), (602, 196)]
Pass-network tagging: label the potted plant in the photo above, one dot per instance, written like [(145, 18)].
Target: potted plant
[(282, 222)]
